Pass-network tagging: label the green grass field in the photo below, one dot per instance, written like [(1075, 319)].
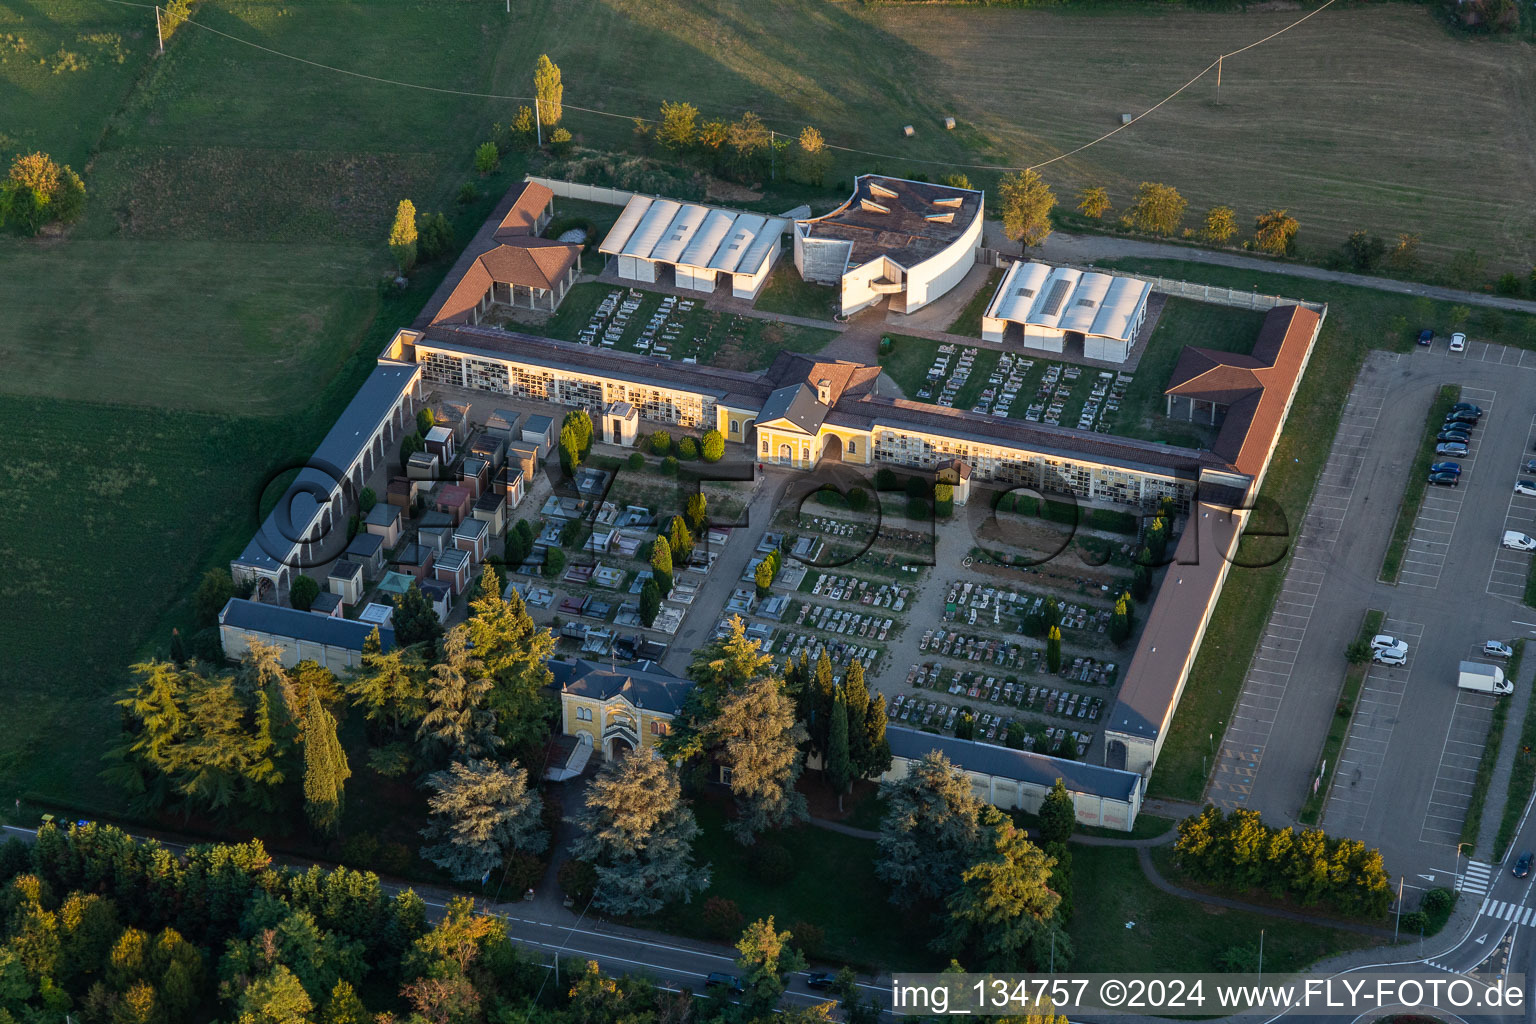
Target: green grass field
[(788, 293), (1121, 919), (1358, 319)]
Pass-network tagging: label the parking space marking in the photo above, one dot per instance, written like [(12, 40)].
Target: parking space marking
[(1269, 673), (1435, 526), (1465, 737), (1362, 759), (1507, 575)]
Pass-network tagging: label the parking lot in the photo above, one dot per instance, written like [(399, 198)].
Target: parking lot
[(1405, 774)]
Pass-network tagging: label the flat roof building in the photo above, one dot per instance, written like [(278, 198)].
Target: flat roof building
[(909, 240)]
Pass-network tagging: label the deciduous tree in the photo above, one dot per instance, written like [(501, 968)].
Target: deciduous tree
[(457, 724), (1004, 902), (402, 235), (1220, 225), (1027, 202), (1274, 231), (678, 127), (1093, 201), (766, 957), (1157, 208), (549, 90)]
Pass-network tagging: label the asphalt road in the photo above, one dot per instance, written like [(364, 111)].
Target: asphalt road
[(1403, 781), (553, 934)]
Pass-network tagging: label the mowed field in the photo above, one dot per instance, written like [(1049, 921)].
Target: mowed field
[(1369, 117)]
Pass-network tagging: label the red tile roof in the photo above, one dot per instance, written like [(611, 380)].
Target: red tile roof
[(1256, 388), (525, 261), (526, 209)]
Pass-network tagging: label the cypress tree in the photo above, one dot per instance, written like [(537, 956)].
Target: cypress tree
[(1053, 649), (661, 565), (325, 768), (839, 763)]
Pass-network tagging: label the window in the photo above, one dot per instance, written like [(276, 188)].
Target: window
[(853, 447), (735, 426), (658, 728), (583, 714), (765, 446)]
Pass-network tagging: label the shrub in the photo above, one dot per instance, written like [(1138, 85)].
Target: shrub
[(886, 479), (713, 446), (487, 159), (772, 864), (669, 466), (636, 461), (207, 646), (809, 938), (917, 508), (523, 871), (687, 448), (554, 562), (660, 442), (468, 193), (917, 487), (1414, 921), (858, 499), (367, 499), (578, 880), (560, 142), (943, 499), (303, 591), (722, 917), (360, 851)]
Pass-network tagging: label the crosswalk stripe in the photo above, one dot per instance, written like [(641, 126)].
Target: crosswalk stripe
[(1484, 908), (1509, 915), (1525, 916)]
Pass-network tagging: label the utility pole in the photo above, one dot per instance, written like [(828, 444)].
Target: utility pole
[(1261, 956), (1218, 78), (538, 124), (159, 37), (1398, 922)]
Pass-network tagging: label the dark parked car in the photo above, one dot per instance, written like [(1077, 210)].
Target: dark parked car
[(1426, 336), (1445, 479), (1467, 407), (1523, 865), (1445, 467), (727, 981), (1461, 417), (1448, 434), (820, 979)]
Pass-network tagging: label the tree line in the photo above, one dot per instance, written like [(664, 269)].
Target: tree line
[(111, 930), (1237, 851)]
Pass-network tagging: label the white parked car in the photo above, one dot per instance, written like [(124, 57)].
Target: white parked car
[(1458, 342), (1392, 656), (1526, 487), (1519, 541), (1383, 642), (1498, 649)]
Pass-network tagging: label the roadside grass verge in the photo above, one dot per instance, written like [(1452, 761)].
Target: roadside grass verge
[(1359, 319), (1343, 715), (1474, 822), (1120, 918), (969, 320), (1530, 583), (1413, 491), (1522, 775), (831, 886)]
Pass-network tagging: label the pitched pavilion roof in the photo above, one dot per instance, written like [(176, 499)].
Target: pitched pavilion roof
[(796, 403), (644, 684), (1256, 388), (843, 377), (525, 211), (524, 261)]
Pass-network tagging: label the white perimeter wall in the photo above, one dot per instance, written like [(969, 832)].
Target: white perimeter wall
[(938, 274)]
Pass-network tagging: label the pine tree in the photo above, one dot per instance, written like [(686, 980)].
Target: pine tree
[(856, 699), (1004, 901), (638, 834), (480, 811), (325, 768), (515, 652), (415, 621), (457, 725), (932, 831), (755, 730), (145, 763), (390, 687), (839, 763), (1058, 815), (877, 749), (344, 1007)]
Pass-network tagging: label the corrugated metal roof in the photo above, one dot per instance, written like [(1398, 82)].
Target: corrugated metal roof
[(1086, 300), (1021, 286), (767, 237), (679, 233), (1067, 299), (1118, 311), (618, 235), (707, 239), (653, 226), (737, 242)]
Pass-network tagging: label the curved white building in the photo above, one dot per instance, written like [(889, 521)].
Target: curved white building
[(910, 240)]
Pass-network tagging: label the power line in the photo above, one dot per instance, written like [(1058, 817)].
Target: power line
[(651, 120)]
